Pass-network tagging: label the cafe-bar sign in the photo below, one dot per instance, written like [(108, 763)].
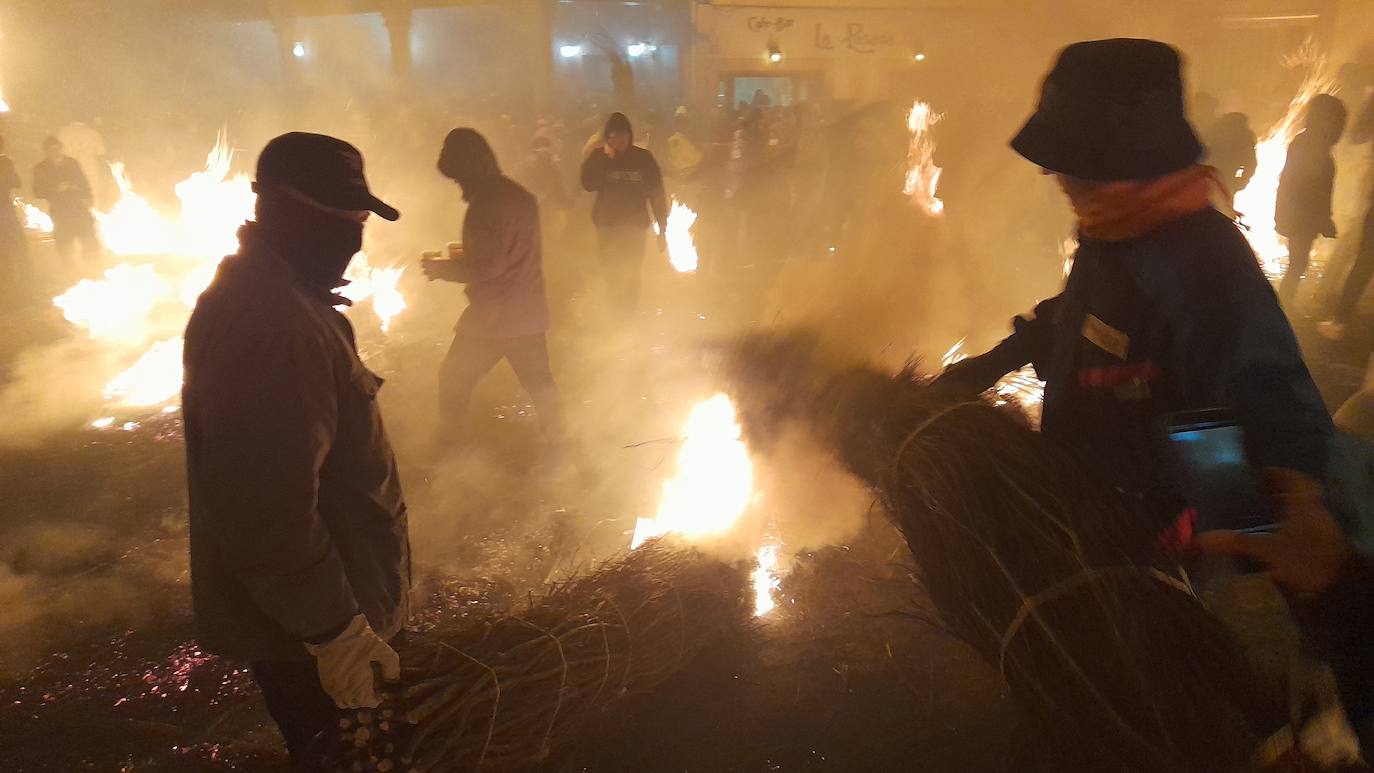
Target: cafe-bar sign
[(821, 31)]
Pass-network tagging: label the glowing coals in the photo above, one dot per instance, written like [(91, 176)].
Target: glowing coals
[(765, 580)]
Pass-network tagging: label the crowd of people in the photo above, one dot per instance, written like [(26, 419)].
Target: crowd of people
[(299, 540)]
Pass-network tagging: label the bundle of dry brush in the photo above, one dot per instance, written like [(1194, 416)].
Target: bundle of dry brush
[(1115, 664), (505, 692)]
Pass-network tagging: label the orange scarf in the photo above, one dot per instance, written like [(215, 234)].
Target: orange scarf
[(1117, 211)]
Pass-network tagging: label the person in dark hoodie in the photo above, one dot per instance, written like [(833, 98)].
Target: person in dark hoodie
[(629, 192), (501, 262), (1302, 211), (1166, 309), (300, 554)]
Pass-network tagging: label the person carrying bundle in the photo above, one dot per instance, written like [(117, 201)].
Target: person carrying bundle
[(1166, 309)]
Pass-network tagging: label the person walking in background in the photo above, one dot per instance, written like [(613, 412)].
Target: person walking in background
[(501, 262), (684, 157), (629, 196), (14, 247), (1302, 211), (300, 548), (58, 179), (87, 146), (1362, 131), (1230, 147)]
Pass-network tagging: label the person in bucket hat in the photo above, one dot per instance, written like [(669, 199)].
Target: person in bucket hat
[(1166, 309)]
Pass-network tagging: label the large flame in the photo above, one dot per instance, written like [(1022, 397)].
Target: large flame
[(117, 306), (172, 260), (1256, 202), (922, 175), (714, 480), (682, 248), (153, 380)]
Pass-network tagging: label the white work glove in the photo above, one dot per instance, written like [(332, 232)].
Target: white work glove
[(345, 665)]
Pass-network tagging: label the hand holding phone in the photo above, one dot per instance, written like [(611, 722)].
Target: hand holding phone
[(1308, 551), (1214, 474)]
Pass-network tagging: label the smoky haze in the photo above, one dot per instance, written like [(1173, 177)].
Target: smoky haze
[(833, 247)]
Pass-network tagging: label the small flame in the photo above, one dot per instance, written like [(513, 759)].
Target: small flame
[(1256, 201), (35, 219), (954, 354), (682, 248), (714, 479), (1022, 387), (922, 175), (1067, 250), (153, 380), (765, 580), (381, 285)]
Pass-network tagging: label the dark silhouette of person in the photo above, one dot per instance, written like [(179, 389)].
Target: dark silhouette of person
[(1302, 210)]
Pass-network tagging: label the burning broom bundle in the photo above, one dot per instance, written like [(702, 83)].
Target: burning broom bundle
[(1116, 665), (500, 694)]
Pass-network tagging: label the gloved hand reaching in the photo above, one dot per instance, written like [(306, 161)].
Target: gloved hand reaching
[(345, 665)]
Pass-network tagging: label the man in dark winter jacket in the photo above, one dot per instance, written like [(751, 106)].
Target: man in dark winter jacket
[(629, 189), (58, 179), (300, 559), (501, 262), (1166, 308), (1302, 210)]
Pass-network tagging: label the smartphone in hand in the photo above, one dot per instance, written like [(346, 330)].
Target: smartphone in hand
[(1215, 476)]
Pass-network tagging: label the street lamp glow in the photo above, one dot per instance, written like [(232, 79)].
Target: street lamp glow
[(636, 49), (298, 50), (920, 56), (570, 51)]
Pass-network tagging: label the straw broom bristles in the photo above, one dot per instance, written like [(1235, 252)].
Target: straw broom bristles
[(1030, 562), (503, 693)]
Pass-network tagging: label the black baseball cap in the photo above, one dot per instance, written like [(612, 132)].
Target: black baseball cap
[(325, 169)]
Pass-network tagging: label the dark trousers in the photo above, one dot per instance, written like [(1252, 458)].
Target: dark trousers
[(1299, 256), (471, 358), (298, 704), (621, 251), (1360, 273), (67, 230)]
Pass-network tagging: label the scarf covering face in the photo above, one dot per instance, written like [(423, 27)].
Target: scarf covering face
[(1117, 211)]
